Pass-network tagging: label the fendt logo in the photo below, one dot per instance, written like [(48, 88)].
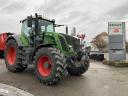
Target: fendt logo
[(116, 30)]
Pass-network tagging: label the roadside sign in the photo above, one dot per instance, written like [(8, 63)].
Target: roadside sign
[(117, 41), (116, 28)]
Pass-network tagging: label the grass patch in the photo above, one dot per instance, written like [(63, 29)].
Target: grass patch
[(116, 63)]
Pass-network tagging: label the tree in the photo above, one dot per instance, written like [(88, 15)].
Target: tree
[(100, 43)]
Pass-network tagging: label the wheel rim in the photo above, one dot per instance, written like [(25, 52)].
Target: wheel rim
[(11, 55), (44, 66)]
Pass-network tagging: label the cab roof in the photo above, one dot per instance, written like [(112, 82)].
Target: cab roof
[(39, 17)]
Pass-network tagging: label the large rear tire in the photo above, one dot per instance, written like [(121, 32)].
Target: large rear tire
[(49, 65), (13, 57)]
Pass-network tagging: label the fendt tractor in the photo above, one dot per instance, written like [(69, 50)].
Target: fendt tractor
[(53, 54)]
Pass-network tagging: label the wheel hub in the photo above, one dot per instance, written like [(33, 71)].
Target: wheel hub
[(44, 66)]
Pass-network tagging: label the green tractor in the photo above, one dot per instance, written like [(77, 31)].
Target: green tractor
[(53, 54)]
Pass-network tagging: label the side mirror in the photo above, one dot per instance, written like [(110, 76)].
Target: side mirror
[(29, 21)]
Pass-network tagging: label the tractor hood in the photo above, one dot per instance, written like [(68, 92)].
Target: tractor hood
[(74, 42), (61, 42)]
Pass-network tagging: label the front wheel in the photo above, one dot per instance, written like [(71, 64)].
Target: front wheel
[(49, 65), (80, 68)]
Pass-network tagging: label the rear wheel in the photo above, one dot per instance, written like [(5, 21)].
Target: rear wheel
[(13, 57), (49, 66)]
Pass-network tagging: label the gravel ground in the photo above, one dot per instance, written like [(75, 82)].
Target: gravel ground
[(100, 80)]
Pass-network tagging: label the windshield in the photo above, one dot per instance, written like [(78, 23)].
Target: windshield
[(46, 26)]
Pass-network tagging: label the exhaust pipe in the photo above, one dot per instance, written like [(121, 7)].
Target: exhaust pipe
[(67, 30)]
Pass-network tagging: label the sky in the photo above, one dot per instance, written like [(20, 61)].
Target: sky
[(88, 16)]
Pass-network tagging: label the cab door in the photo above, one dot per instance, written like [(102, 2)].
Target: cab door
[(25, 36)]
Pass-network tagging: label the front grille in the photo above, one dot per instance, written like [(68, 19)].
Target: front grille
[(74, 42)]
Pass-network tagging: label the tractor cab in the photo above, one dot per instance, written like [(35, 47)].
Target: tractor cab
[(35, 27)]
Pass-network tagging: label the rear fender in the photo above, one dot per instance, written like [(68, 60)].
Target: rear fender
[(16, 38)]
